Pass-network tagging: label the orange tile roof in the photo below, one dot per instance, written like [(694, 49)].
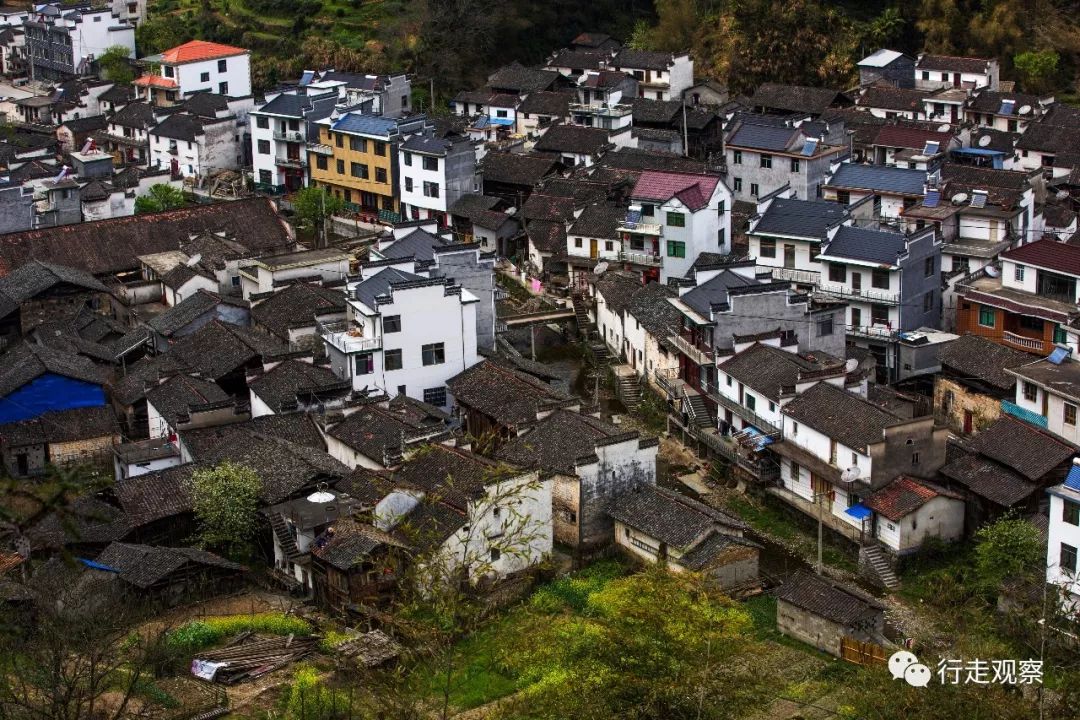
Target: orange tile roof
[(155, 81), (199, 50)]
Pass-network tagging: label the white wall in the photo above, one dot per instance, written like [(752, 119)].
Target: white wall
[(1062, 532), (416, 172), (237, 74), (348, 456)]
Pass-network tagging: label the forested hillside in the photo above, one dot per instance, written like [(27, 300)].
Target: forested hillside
[(743, 42)]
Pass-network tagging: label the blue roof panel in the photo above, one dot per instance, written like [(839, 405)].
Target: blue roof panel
[(859, 511), (364, 124), (1058, 356), (1072, 480), (933, 199)]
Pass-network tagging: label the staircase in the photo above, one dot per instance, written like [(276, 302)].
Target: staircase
[(600, 352), (581, 312), (697, 410), (284, 536), (629, 390), (872, 560)]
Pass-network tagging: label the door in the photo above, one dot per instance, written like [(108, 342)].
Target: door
[(789, 256), (593, 252), (22, 465), (956, 79), (823, 491), (856, 283), (968, 422), (856, 318)]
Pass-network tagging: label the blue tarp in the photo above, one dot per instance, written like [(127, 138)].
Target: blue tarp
[(97, 565), (758, 438), (859, 511), (1072, 480), (978, 151)]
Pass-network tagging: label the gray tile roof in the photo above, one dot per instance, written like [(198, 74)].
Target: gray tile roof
[(838, 414), (642, 59), (559, 441), (376, 432), (297, 306), (350, 543), (641, 160), (287, 381), (828, 599), (760, 136), (714, 292), (649, 306), (156, 496), (87, 520), (62, 426), (175, 397), (218, 348), (137, 115), (189, 310), (618, 288), (28, 361), (575, 139), (863, 244), (1024, 448), (554, 104), (520, 79), (660, 112), (797, 98), (989, 480), (145, 566), (180, 126), (880, 178), (547, 236), (982, 359), (510, 397), (380, 283), (766, 369), (670, 517), (34, 278), (801, 218), (599, 220), (516, 169)]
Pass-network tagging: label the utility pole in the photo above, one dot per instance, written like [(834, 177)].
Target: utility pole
[(817, 499)]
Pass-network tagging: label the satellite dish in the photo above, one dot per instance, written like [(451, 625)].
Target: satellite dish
[(194, 260), (600, 268), (985, 140), (851, 365), (991, 271), (321, 497), (1024, 110), (944, 127), (959, 198), (850, 475)]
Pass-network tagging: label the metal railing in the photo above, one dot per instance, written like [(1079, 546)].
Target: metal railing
[(343, 336), (803, 277), (295, 136), (669, 381), (870, 295), (641, 228), (641, 258), (297, 162), (320, 149), (616, 110), (742, 411), (701, 357), (1025, 343), (876, 332)]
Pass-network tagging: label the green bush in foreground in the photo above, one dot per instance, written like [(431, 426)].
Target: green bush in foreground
[(199, 634)]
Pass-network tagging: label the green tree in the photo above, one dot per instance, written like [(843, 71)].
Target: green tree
[(226, 500), (938, 21), (115, 66), (1037, 69), (1010, 548), (160, 197), (885, 28), (161, 32), (313, 205)]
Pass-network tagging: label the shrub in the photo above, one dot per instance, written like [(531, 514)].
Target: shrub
[(573, 592), (199, 634)]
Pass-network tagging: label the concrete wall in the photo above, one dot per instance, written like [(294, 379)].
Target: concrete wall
[(984, 409), (565, 504), (477, 275), (1067, 533), (823, 634), (622, 467), (941, 518), (804, 181)]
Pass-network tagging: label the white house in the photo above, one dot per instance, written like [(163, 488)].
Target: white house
[(266, 274), (659, 75), (434, 173), (786, 235), (191, 146), (296, 524), (673, 218), (280, 134), (892, 188), (909, 511), (933, 72), (62, 42), (194, 67), (1064, 538), (1048, 394), (405, 334)]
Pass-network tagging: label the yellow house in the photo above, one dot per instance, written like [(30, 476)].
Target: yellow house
[(355, 158)]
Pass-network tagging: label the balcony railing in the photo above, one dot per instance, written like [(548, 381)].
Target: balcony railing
[(698, 355), (870, 295), (320, 149), (740, 410), (1024, 343), (295, 136), (346, 338), (295, 162), (642, 258), (640, 228), (615, 110), (803, 277), (874, 332)]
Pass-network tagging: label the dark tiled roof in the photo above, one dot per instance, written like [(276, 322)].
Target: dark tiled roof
[(880, 178), (758, 135), (714, 291), (155, 496), (796, 98), (380, 284), (28, 361), (989, 101), (979, 358), (1021, 447), (63, 426), (296, 307), (989, 480), (866, 245), (952, 63), (179, 126), (575, 139), (1045, 137), (376, 432), (520, 79), (189, 310), (642, 59), (649, 306), (904, 495), (348, 543), (599, 220), (512, 398), (578, 59), (840, 415), (218, 348), (640, 160), (480, 210), (138, 115), (1047, 254), (800, 218), (558, 442), (617, 289), (86, 124), (830, 600), (656, 111), (87, 520), (34, 278), (455, 476), (252, 222), (515, 169), (287, 381), (548, 207), (206, 104), (145, 566), (546, 236), (175, 397), (766, 369), (887, 97), (669, 517), (555, 104)]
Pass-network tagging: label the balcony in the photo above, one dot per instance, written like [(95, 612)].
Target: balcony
[(802, 277), (291, 162), (601, 109), (320, 149), (840, 290), (637, 227), (741, 411), (1021, 342), (294, 136), (873, 332), (346, 338), (641, 258), (698, 355)]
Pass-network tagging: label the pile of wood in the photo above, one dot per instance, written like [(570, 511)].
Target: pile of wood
[(370, 649), (251, 656)]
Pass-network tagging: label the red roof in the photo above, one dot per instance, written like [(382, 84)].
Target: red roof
[(1048, 254), (910, 137), (199, 50), (903, 496), (155, 81), (693, 191)]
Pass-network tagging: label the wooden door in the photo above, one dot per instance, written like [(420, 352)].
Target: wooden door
[(968, 422), (823, 491), (593, 250)]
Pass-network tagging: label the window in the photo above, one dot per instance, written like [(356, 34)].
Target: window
[(433, 354), (721, 207), (925, 75), (1069, 414), (1061, 337), (1067, 559), (794, 164), (928, 302), (765, 161), (738, 184), (358, 144), (987, 316), (380, 148), (408, 184), (880, 279), (676, 249), (647, 210), (168, 71), (266, 177), (796, 471), (837, 273), (431, 163), (406, 157), (1070, 512), (728, 380), (223, 88), (736, 157), (928, 267), (675, 219), (794, 429), (358, 170), (772, 406), (768, 248), (392, 360), (262, 122), (914, 458), (321, 162), (264, 147), (754, 190), (577, 242), (609, 246), (431, 189), (221, 65), (825, 326), (1031, 392), (205, 77), (750, 402), (365, 364), (814, 251), (879, 314), (1018, 273), (435, 396), (339, 140), (843, 197), (380, 175), (391, 324)]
